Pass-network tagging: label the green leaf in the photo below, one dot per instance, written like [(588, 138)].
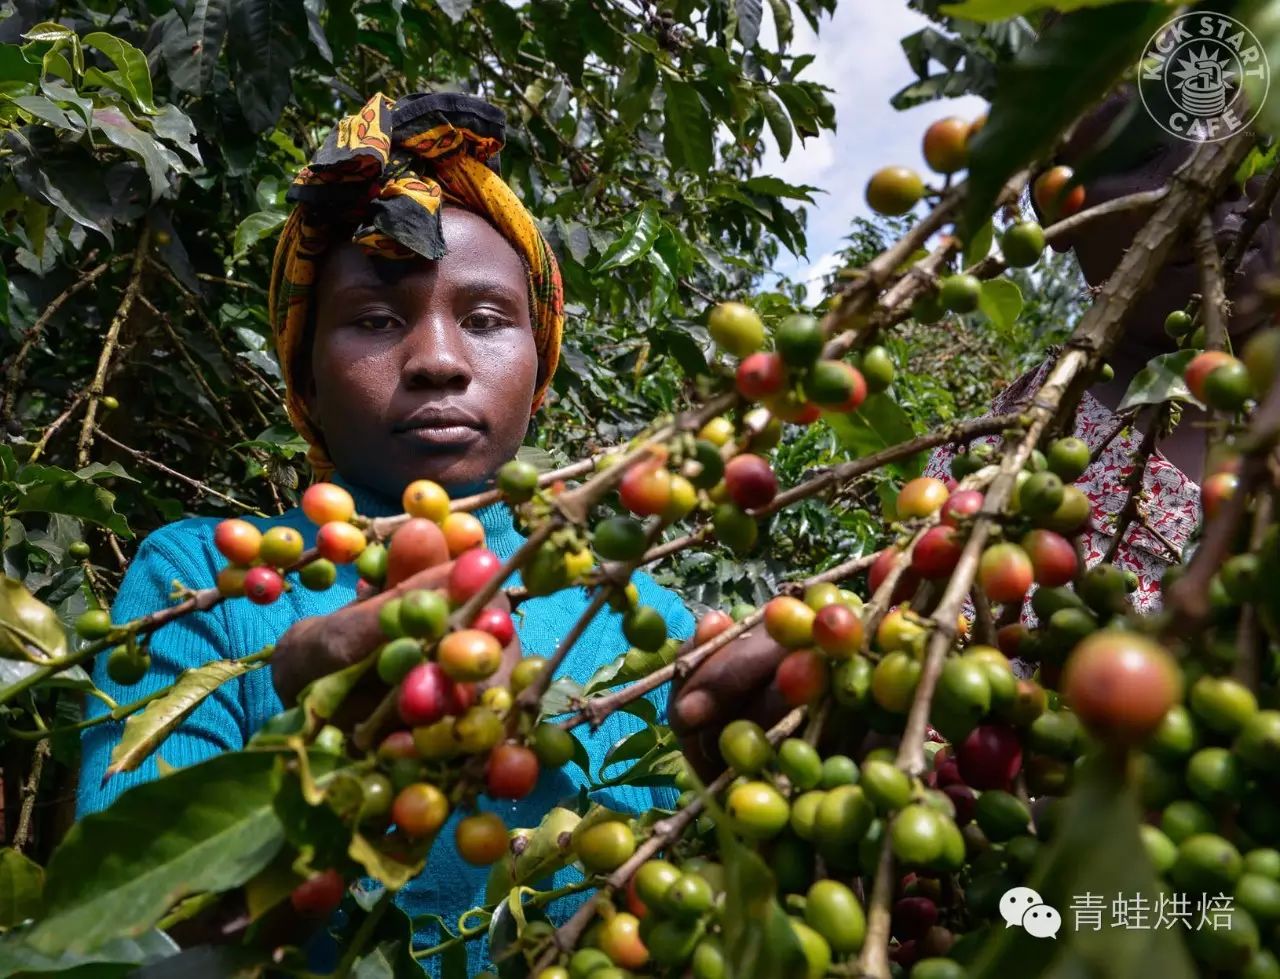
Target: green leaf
[(749, 14), (29, 629), (687, 134), (634, 664), (782, 21), (209, 827), (116, 959), (639, 232), (78, 498), (146, 730), (1161, 380), (321, 698), (385, 862), (132, 76), (255, 227), (44, 109), (546, 849), (264, 53), (1045, 88), (779, 122), (113, 124), (21, 888), (191, 51), (1097, 850), (777, 187), (758, 938), (1000, 300), (978, 246), (879, 423)]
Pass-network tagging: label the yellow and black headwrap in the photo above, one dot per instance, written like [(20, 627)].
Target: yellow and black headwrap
[(385, 172)]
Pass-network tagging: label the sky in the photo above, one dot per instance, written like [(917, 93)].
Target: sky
[(858, 55)]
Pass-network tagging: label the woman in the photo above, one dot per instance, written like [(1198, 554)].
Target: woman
[(417, 314)]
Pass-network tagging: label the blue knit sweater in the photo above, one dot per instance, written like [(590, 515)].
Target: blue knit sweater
[(224, 722)]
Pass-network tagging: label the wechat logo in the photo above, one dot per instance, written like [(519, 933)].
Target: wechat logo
[(1025, 908)]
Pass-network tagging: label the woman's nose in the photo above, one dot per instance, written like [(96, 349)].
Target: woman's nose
[(436, 354)]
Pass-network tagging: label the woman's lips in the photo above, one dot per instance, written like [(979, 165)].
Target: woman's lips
[(444, 436)]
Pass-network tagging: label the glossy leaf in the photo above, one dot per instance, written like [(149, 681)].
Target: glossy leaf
[(639, 233), (1001, 301), (207, 827), (29, 629), (192, 50), (118, 958), (21, 887), (687, 137), (1161, 380), (132, 76), (146, 730)]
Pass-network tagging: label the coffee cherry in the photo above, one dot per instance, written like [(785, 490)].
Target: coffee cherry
[(620, 940), (471, 572), (744, 747), (710, 626), (126, 667), (427, 694), (736, 328), (1215, 491), (757, 810), (340, 542), (894, 190), (518, 481), (750, 481), (799, 340), (789, 622), (645, 489), (989, 757), (761, 375), (95, 623), (946, 148), (318, 575), (877, 369), (936, 553), (620, 539), (1261, 356), (1072, 516), (961, 506), (481, 839), (1022, 244), (1005, 572), (1068, 458), (605, 846), (800, 762), (554, 746), (894, 680), (684, 498), (960, 293), (397, 658), (736, 530), (1053, 559), (108, 402), (803, 677), (836, 386), (230, 581), (838, 631), (79, 550), (1227, 387), (1222, 704), (237, 540), (511, 772), (462, 532), (1121, 685), (469, 655), (719, 431), (427, 499), (645, 628), (280, 547), (1201, 366), (319, 895), (1178, 324), (921, 497), (416, 545), (420, 810), (1051, 196), (327, 503), (832, 910), (262, 585), (496, 623)]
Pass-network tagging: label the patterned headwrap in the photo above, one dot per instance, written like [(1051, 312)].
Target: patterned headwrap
[(386, 171)]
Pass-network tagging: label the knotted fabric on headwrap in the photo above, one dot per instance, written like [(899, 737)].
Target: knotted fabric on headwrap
[(386, 171)]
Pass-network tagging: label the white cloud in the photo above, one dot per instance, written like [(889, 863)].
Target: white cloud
[(857, 55)]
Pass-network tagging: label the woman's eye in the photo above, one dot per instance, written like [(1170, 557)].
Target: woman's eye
[(486, 319), (377, 323)]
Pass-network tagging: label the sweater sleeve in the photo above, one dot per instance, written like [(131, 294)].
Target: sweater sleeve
[(217, 725)]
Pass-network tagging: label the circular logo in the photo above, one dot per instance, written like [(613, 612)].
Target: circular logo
[(1203, 76)]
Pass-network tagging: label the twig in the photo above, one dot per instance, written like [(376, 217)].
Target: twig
[(109, 346), (233, 283), (1135, 481), (1213, 293), (181, 477), (30, 791), (37, 328), (664, 834)]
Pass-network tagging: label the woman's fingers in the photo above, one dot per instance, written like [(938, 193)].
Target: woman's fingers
[(725, 686)]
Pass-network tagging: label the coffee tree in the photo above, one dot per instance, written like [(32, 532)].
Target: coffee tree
[(917, 778)]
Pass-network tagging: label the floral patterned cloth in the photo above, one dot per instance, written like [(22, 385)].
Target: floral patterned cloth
[(1168, 512)]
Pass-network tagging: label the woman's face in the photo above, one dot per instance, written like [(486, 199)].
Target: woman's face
[(1152, 158), (424, 369)]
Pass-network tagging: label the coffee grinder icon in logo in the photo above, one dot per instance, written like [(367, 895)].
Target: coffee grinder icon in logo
[(1203, 76)]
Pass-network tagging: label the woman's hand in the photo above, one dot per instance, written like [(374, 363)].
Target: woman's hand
[(736, 681), (323, 644)]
